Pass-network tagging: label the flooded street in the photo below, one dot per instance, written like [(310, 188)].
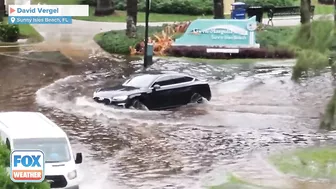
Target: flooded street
[(255, 109)]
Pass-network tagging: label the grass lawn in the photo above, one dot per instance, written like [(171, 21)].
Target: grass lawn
[(312, 162), (28, 32), (322, 9), (234, 182)]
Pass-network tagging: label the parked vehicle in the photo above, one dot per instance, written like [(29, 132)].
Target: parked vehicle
[(34, 131), (155, 91)]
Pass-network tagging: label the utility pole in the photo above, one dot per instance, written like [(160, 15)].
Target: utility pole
[(146, 53)]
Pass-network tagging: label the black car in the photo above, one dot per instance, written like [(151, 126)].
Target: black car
[(155, 91)]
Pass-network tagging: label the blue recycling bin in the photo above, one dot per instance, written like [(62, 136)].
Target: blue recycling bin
[(238, 10)]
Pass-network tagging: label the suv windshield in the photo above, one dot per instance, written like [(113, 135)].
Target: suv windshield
[(55, 149), (140, 81)]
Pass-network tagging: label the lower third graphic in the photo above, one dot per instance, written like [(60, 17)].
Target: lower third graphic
[(40, 20)]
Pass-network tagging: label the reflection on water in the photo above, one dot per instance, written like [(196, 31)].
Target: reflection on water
[(252, 110)]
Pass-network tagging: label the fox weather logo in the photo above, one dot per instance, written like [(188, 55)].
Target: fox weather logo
[(27, 166)]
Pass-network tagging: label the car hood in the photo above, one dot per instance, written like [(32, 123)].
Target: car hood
[(119, 90)]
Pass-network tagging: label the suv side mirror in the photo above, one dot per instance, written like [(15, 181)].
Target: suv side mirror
[(156, 86), (79, 158)]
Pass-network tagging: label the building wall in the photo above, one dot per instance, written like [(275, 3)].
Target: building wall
[(227, 6)]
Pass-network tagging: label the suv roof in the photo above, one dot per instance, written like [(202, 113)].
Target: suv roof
[(19, 125), (161, 73)]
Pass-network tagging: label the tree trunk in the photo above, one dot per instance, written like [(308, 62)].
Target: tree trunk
[(131, 20), (2, 10), (104, 8), (305, 11), (218, 9)]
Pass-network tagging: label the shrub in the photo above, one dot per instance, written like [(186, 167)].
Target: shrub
[(309, 61), (315, 40), (4, 155), (319, 36), (200, 52), (117, 41), (275, 36), (269, 2), (9, 32), (6, 182)]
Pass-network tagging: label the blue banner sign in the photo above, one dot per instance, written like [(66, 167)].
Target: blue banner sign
[(230, 33), (40, 20)]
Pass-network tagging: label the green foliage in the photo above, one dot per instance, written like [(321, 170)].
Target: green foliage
[(315, 162), (117, 41), (269, 2), (6, 182), (9, 32), (319, 36), (4, 155), (275, 36), (309, 60), (315, 40)]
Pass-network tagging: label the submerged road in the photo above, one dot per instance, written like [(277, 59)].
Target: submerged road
[(255, 109)]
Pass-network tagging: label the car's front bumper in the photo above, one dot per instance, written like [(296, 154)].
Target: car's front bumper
[(123, 103)]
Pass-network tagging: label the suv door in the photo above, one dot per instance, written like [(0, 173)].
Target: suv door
[(181, 92), (162, 97)]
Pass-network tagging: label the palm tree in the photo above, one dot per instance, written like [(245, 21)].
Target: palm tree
[(104, 7), (2, 10), (305, 11), (131, 20), (218, 10)]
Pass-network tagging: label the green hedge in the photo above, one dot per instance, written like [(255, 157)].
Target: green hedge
[(6, 182), (270, 2), (188, 7), (9, 32), (117, 42), (275, 36)]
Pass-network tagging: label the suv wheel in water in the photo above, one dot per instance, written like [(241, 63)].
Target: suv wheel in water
[(196, 98), (137, 104)]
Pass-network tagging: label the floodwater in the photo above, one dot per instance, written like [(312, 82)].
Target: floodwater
[(255, 109)]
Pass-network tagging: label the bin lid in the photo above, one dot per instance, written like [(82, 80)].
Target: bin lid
[(238, 3)]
